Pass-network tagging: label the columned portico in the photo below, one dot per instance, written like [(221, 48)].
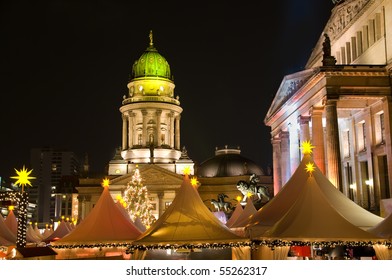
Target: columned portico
[(333, 150)]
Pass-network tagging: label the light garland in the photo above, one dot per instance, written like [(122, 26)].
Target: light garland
[(90, 246), (282, 243), (189, 246)]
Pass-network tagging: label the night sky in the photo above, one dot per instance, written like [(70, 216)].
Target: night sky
[(65, 65)]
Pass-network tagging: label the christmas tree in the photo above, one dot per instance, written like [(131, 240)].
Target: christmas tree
[(136, 200)]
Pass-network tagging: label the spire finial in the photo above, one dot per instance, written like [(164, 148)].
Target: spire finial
[(151, 41)]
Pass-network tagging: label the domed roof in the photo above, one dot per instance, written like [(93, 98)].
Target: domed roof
[(228, 162), (151, 64)]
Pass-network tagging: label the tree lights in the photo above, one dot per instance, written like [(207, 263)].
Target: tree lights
[(21, 198)]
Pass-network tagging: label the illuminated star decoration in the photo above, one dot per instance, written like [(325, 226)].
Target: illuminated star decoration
[(306, 147), (23, 177), (105, 182), (194, 182), (186, 170), (310, 168)]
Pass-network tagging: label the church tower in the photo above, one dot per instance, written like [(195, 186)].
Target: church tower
[(151, 116)]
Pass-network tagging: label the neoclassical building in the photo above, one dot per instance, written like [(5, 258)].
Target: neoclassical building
[(151, 115), (341, 102)]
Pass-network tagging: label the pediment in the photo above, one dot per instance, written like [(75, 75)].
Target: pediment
[(151, 175), (289, 86)]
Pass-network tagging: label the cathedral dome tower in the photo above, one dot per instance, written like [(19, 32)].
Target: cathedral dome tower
[(151, 114)]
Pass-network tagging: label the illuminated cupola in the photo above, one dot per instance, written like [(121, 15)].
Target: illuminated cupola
[(151, 114)]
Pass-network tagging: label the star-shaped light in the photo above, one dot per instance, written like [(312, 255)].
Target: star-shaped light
[(186, 170), (11, 207), (307, 147), (310, 168), (194, 182), (23, 177), (238, 198), (105, 182)]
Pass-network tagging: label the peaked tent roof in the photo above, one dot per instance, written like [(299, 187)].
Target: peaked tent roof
[(12, 222), (104, 224), (187, 222), (312, 218), (280, 204), (32, 236), (5, 232), (237, 212), (62, 230), (249, 210)]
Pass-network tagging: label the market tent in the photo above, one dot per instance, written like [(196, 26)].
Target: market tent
[(234, 216), (6, 235), (104, 225), (62, 230), (277, 207), (238, 226), (313, 218), (317, 213), (248, 211), (11, 221), (31, 235), (187, 224)]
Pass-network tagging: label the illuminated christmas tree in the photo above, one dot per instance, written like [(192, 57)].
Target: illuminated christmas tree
[(136, 200)]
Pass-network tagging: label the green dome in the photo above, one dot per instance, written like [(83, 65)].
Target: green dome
[(151, 64)]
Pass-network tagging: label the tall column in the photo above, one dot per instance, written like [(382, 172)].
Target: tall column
[(285, 152), (171, 129), (158, 131), (294, 148), (124, 132), (144, 137), (333, 151), (276, 156), (304, 128), (387, 106), (178, 147), (130, 129), (318, 137)]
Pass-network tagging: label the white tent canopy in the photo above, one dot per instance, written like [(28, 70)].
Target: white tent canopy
[(12, 222), (62, 230), (187, 222), (105, 224), (247, 212), (234, 216), (7, 236), (267, 216), (313, 218)]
